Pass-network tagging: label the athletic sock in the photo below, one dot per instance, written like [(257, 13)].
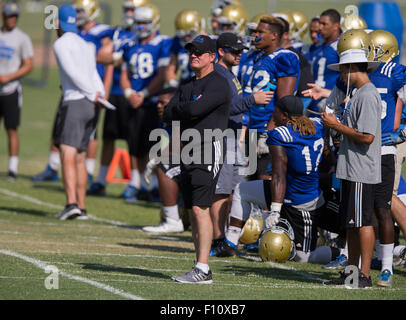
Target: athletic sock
[(378, 250), (13, 164), (233, 234), (90, 165), (101, 178), (344, 251), (135, 180), (54, 160), (387, 256), (171, 212), (202, 266)]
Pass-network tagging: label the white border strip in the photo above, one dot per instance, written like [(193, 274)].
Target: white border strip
[(96, 284)]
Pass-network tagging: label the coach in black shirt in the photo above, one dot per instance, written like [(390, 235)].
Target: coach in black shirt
[(200, 103)]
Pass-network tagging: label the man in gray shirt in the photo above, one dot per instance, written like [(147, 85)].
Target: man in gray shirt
[(16, 61), (359, 160)]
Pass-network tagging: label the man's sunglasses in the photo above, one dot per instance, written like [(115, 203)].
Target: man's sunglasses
[(232, 50), (196, 52)]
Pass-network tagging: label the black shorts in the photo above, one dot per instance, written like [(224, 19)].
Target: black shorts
[(10, 108), (330, 218), (304, 223), (115, 124), (141, 122), (384, 190), (356, 203)]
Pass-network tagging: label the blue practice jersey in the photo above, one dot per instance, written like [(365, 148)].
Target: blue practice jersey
[(95, 36), (278, 64), (325, 54), (142, 62), (308, 50), (304, 154), (186, 72), (246, 66), (120, 37)]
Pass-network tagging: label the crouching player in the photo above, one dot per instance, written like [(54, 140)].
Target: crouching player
[(296, 146)]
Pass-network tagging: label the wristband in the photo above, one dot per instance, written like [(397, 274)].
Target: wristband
[(128, 92), (144, 93), (275, 206), (116, 57), (173, 83)]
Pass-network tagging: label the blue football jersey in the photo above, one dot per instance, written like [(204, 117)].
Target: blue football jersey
[(143, 60), (245, 68), (304, 154), (120, 37), (325, 54), (95, 36), (278, 64), (186, 72)]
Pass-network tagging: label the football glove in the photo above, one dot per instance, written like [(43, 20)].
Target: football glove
[(262, 147), (151, 165), (395, 137), (273, 218)]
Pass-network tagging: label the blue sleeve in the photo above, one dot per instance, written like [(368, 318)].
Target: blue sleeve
[(278, 136), (399, 77), (175, 46), (288, 65)]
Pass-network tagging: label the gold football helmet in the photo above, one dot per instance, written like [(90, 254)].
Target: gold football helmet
[(128, 16), (233, 18), (386, 45), (350, 22), (87, 10), (134, 3), (301, 24), (146, 20), (251, 231), (187, 22), (286, 15), (253, 23), (276, 244), (218, 6), (356, 39)]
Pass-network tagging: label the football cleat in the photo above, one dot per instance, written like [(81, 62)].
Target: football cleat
[(48, 174), (252, 247), (338, 264), (11, 176), (385, 278), (223, 248), (129, 192), (96, 189)]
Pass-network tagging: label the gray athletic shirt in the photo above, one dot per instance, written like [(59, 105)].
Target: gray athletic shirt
[(361, 162), (14, 47)]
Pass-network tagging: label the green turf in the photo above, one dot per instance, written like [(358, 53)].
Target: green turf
[(110, 248)]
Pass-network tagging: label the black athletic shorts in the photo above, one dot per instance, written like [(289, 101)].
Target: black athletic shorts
[(198, 181), (384, 190), (172, 171), (330, 218), (10, 108), (141, 122), (115, 124), (356, 203), (304, 223)]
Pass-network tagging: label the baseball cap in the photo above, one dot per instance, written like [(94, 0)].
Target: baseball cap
[(231, 41), (10, 9), (202, 43), (353, 56), (292, 105), (67, 18)]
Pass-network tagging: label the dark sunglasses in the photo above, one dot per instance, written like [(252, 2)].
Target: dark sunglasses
[(196, 52), (232, 50)]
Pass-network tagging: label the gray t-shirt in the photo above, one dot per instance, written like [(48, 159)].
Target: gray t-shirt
[(14, 47), (360, 162)]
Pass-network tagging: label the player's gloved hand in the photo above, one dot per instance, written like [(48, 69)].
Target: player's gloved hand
[(274, 216), (395, 137), (262, 147), (151, 165)]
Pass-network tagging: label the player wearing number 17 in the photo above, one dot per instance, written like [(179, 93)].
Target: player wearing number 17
[(142, 77)]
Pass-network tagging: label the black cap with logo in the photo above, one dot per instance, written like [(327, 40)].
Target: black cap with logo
[(230, 41), (202, 43), (292, 105)]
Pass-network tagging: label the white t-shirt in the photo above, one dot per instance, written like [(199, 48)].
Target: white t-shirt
[(77, 68), (15, 46)]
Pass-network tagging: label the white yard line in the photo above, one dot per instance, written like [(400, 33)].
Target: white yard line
[(96, 284), (54, 206)]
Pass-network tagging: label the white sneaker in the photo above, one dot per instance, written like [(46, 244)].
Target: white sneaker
[(167, 226)]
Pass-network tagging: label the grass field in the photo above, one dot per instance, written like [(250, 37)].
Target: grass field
[(108, 257)]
